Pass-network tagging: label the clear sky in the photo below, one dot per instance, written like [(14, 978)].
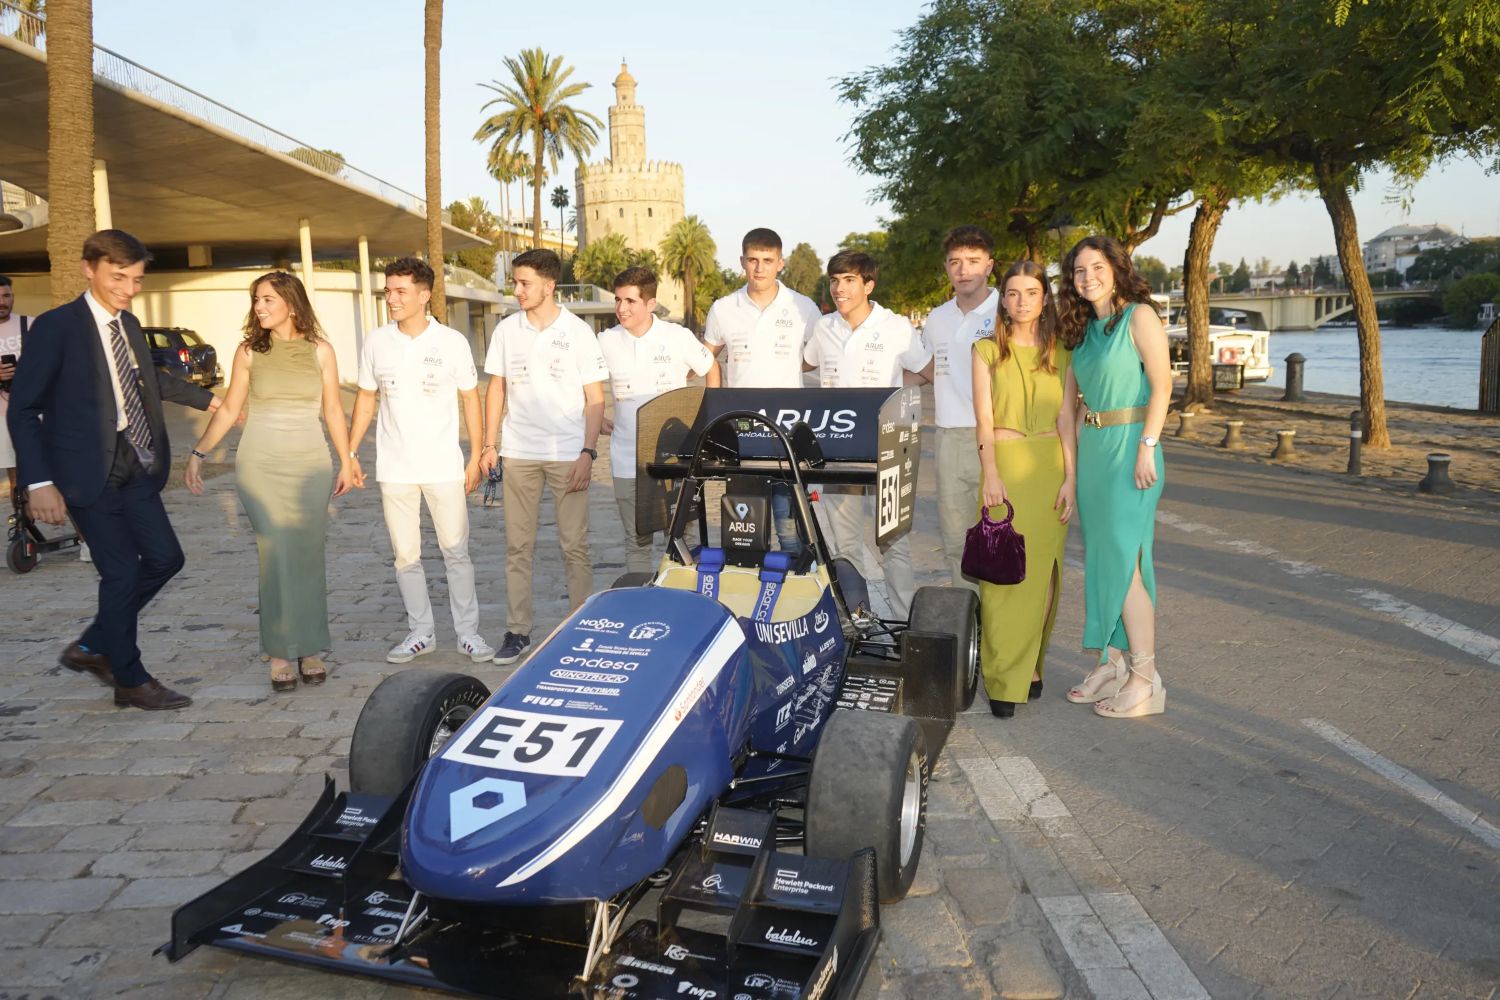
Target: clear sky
[(742, 96)]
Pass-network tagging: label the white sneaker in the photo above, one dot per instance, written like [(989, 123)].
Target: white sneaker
[(414, 645), (83, 553), (477, 649)]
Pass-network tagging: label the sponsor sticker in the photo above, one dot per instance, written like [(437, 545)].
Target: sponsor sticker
[(590, 675), (790, 936), (650, 631), (736, 840), (604, 626)]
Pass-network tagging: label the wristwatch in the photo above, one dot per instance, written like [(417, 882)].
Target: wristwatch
[(1148, 440), (590, 452)]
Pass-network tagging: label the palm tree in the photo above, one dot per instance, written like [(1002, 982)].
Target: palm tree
[(507, 166), (687, 252), (560, 202), (534, 105), (432, 46), (70, 142)]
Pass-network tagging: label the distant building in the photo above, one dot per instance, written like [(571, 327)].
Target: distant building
[(1399, 246), (628, 194)]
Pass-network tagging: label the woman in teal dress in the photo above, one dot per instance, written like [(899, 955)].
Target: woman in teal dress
[(283, 476), (1121, 367)]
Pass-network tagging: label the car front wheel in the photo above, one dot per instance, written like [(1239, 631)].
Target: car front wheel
[(406, 720)]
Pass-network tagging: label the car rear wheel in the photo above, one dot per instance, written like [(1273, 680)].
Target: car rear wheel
[(406, 720), (632, 580), (868, 788), (953, 611)]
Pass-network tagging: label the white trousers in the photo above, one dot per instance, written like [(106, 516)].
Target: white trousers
[(449, 508), (850, 519)]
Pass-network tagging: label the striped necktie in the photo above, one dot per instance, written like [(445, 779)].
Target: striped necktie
[(137, 431)]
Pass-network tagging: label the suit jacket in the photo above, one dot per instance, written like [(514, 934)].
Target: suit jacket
[(62, 407)]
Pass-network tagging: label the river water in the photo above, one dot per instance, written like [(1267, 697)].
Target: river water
[(1423, 364)]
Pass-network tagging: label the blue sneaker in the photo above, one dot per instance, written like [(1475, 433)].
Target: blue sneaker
[(512, 648)]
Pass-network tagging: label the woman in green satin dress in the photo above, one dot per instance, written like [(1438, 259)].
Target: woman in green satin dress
[(1121, 367), (283, 476), (1024, 432)]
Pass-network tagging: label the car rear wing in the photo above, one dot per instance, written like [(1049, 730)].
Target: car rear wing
[(867, 438)]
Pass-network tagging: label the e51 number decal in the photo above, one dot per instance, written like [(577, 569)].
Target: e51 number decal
[(532, 743)]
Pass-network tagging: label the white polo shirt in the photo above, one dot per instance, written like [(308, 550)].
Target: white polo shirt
[(419, 379), (872, 355), (761, 348), (642, 368), (951, 336), (545, 372)]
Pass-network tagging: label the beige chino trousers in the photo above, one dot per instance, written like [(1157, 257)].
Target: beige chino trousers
[(958, 479), (524, 479)]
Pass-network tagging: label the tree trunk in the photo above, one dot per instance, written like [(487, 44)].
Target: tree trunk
[(70, 142), (1135, 237), (689, 292), (1346, 237), (1195, 280), (536, 188), (432, 45)]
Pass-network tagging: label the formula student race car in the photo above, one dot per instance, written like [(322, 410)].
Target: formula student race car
[(699, 785)]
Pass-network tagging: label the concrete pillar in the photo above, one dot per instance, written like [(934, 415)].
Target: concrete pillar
[(103, 217), (366, 306), (304, 234)]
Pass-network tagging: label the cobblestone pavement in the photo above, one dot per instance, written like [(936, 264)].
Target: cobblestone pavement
[(1235, 847)]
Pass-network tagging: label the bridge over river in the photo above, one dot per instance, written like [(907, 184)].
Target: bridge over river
[(1300, 310)]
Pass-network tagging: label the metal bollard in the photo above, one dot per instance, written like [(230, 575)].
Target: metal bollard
[(1356, 438), (1436, 481), (1285, 445), (1185, 423), (1294, 363), (1232, 436)]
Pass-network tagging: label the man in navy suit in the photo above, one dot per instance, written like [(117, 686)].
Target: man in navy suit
[(91, 441)]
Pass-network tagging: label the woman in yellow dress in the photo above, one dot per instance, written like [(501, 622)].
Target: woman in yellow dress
[(1026, 442)]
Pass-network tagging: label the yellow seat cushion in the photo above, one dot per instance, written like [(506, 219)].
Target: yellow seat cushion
[(739, 587)]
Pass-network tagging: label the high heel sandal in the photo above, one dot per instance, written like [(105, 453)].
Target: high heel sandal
[(1134, 704), (312, 670), (283, 682), (1103, 682), (1002, 709), (1036, 690)]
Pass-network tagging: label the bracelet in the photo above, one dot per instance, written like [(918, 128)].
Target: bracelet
[(488, 447), (198, 454)]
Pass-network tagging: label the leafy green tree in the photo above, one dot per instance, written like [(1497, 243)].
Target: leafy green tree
[(601, 260), (560, 201), (717, 283), (533, 106), (1449, 263), (330, 161), (1016, 116), (1464, 297), (474, 216), (1239, 281), (687, 253), (1293, 274), (1322, 273), (1154, 271), (647, 259), (803, 269), (1343, 89)]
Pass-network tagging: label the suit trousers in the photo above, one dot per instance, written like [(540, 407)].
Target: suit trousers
[(135, 553)]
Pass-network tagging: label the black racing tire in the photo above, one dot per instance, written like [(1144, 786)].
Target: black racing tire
[(21, 557), (632, 580), (406, 720), (868, 788), (954, 611)]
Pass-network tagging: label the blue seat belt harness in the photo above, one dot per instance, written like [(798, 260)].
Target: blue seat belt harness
[(710, 563), (772, 574)]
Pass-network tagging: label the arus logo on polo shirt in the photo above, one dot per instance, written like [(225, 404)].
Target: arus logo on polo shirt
[(785, 319), (985, 328)]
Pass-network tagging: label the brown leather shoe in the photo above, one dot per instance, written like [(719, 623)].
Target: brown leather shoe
[(153, 696), (78, 659)]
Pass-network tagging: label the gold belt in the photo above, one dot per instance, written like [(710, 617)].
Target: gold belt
[(1112, 418)]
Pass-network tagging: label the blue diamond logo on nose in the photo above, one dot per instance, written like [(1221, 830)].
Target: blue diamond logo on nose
[(477, 805)]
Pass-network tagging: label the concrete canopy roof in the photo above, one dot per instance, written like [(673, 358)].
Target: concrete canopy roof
[(176, 179)]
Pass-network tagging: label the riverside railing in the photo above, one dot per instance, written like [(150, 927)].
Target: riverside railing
[(124, 74)]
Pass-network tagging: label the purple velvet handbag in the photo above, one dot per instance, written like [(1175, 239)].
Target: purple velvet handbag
[(994, 551)]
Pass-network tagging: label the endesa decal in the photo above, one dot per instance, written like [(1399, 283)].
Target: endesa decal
[(506, 739)]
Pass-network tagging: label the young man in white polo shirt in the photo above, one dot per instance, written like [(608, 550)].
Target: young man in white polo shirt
[(421, 370), (646, 357), (758, 333), (547, 379), (951, 331), (864, 345)]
